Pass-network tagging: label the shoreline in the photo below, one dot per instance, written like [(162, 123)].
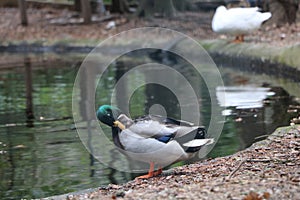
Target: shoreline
[(268, 169), (287, 56)]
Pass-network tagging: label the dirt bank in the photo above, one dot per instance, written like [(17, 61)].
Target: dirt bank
[(53, 29), (267, 170), (49, 26)]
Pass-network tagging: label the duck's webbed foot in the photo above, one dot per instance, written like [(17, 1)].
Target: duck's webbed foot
[(151, 172), (239, 39)]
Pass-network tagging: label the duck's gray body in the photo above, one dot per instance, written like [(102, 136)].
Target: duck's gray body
[(160, 140)]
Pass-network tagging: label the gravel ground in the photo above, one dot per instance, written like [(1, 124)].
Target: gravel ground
[(267, 170), (51, 25)]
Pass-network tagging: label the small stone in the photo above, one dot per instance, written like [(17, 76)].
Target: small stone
[(266, 195), (70, 197), (120, 193)]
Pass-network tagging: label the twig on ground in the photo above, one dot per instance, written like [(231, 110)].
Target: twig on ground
[(259, 160), (238, 167)]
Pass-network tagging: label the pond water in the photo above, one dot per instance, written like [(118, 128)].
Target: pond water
[(41, 154)]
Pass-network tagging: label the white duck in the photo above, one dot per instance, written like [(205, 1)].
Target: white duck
[(153, 139), (238, 21)]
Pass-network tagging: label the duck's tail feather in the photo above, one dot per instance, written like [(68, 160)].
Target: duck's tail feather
[(196, 144), (201, 133), (265, 16), (193, 141)]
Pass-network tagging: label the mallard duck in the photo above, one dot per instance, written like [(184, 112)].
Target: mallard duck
[(238, 21), (153, 139)]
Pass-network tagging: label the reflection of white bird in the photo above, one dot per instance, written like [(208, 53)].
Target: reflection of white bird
[(238, 21)]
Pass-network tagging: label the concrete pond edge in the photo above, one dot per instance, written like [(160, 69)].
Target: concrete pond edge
[(261, 58)]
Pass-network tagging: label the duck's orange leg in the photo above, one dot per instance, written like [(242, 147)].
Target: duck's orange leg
[(151, 172), (157, 172), (242, 38), (238, 39)]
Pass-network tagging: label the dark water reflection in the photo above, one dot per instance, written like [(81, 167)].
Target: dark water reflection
[(41, 154)]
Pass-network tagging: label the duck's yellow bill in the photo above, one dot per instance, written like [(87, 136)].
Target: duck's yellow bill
[(119, 124)]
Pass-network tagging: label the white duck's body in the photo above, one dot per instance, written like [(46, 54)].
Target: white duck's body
[(238, 21)]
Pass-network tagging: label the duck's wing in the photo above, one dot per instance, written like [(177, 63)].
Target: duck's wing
[(157, 126), (247, 15), (161, 119), (150, 149), (182, 127), (126, 121), (149, 128), (164, 129), (244, 10), (169, 121)]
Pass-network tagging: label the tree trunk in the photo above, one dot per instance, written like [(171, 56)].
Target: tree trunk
[(180, 5), (77, 5), (23, 13), (234, 4), (8, 3), (86, 11), (283, 11), (120, 6), (298, 14), (148, 8), (165, 8), (290, 7)]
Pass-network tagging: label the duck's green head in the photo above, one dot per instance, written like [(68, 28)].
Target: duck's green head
[(108, 114)]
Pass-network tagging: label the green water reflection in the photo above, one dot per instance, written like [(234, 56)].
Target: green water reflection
[(43, 156)]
